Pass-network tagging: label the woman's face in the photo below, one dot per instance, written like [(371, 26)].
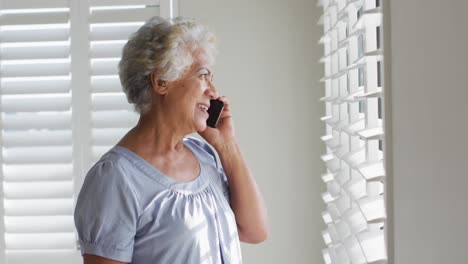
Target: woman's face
[(190, 95)]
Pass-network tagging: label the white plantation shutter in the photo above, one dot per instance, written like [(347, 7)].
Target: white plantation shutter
[(61, 108), (355, 204), (110, 27), (37, 171)]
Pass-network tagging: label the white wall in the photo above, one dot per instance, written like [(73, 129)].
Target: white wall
[(429, 65), (267, 66)]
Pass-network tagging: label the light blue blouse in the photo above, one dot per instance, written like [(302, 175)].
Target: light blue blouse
[(129, 211)]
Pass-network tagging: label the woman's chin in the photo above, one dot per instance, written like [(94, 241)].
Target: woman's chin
[(201, 126)]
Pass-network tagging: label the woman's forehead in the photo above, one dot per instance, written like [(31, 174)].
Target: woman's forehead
[(201, 60)]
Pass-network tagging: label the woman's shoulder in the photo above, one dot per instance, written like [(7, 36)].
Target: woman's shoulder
[(111, 159), (107, 168), (115, 168), (205, 150)]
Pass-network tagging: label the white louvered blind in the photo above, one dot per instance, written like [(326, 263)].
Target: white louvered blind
[(61, 108), (37, 169), (110, 27), (355, 212)]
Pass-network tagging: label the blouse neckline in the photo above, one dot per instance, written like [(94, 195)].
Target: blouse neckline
[(196, 185)]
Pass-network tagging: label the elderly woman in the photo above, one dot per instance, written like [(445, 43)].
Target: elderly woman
[(159, 196)]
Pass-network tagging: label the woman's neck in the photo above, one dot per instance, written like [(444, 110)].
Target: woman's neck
[(154, 135)]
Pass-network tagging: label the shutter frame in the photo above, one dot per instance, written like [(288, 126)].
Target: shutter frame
[(355, 212)]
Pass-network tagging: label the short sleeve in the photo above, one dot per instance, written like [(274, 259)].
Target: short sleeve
[(106, 213)]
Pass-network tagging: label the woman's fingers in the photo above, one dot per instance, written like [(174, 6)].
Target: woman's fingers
[(227, 109)]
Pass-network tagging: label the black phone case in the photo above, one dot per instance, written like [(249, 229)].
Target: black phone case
[(216, 107)]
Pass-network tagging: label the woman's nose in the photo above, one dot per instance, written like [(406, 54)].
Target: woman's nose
[(211, 91)]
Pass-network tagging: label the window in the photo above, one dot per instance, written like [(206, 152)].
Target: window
[(355, 202), (378, 37), (379, 74), (360, 46), (361, 76), (61, 108)]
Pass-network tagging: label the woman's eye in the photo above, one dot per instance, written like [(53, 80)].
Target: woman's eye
[(205, 76)]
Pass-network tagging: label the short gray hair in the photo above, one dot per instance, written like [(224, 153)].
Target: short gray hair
[(165, 46)]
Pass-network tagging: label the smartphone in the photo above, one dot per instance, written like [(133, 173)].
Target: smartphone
[(215, 110)]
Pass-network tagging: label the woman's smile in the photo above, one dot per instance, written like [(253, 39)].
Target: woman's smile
[(203, 108)]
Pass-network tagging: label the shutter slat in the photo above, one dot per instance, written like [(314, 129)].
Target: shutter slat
[(333, 233), (356, 126), (355, 97), (333, 188), (38, 18), (40, 241), (371, 133), (52, 50), (31, 103), (342, 230), (356, 188), (325, 118), (122, 2), (333, 144), (327, 158), (39, 224), (57, 33), (372, 208), (107, 49), (36, 207), (354, 250), (327, 177), (326, 237), (36, 138), (37, 172), (36, 68), (113, 31), (373, 245), (372, 171), (114, 101), (343, 203), (334, 212), (326, 256), (326, 138), (27, 155), (327, 197), (35, 85), (104, 66), (114, 119), (326, 217), (333, 166), (106, 84), (37, 190), (373, 94), (36, 120), (45, 256), (341, 255), (123, 15), (356, 220), (373, 16), (27, 4), (107, 136)]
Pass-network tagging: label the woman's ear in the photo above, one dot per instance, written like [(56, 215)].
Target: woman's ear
[(159, 86)]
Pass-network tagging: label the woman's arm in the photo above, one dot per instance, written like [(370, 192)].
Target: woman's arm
[(246, 199), (93, 259)]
